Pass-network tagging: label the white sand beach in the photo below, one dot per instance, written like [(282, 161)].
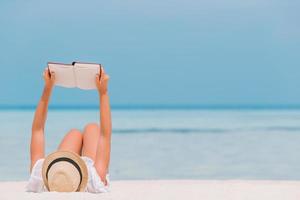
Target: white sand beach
[(171, 189)]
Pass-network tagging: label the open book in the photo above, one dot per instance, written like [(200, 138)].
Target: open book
[(77, 74)]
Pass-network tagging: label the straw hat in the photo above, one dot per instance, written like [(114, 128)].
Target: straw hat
[(64, 171)]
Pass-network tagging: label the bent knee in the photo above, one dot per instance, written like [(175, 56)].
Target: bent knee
[(91, 127), (91, 131), (75, 133)]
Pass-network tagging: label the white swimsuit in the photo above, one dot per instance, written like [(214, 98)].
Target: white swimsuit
[(94, 185)]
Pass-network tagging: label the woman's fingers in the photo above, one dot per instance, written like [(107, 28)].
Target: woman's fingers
[(101, 81), (104, 76), (97, 79), (52, 76), (46, 73)]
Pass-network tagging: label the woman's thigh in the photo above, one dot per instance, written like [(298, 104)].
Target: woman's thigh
[(72, 142), (91, 135), (97, 148)]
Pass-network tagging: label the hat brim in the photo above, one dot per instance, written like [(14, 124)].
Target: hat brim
[(70, 155)]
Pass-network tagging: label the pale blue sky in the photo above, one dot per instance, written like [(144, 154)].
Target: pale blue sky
[(157, 52)]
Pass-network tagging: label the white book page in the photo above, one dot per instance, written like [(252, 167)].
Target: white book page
[(64, 74), (86, 75)]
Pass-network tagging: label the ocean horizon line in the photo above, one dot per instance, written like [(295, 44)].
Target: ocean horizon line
[(163, 107)]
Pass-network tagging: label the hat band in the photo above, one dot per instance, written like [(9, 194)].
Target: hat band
[(67, 160)]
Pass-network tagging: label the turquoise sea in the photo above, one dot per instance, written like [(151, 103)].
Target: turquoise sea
[(171, 143)]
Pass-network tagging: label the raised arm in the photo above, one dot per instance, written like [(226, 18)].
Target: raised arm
[(103, 153), (37, 146)]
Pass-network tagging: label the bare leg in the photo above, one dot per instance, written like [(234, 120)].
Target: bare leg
[(96, 147), (72, 142), (91, 135)]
